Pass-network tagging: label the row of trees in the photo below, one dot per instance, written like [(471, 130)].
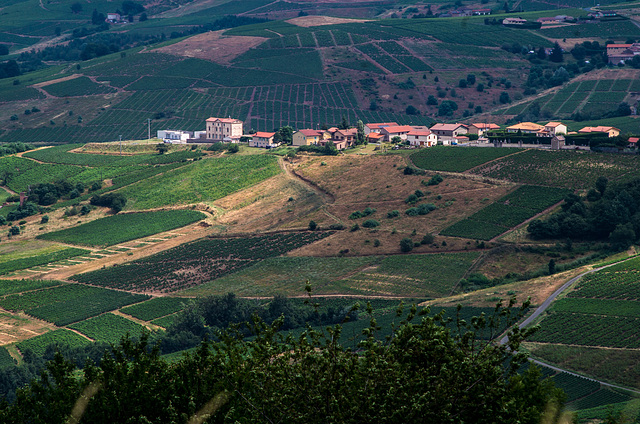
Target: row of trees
[(606, 213), (425, 371)]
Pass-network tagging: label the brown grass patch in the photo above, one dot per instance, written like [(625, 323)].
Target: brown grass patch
[(311, 21), (18, 327), (213, 46), (55, 81)]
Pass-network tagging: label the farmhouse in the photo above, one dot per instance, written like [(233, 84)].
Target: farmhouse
[(481, 12), (525, 128), (611, 131), (622, 52), (548, 21), (375, 137), (396, 131), (633, 141), (263, 139), (447, 133), (514, 21), (224, 129), (307, 137), (481, 128), (113, 18), (348, 137), (376, 127), (422, 138), (555, 128)]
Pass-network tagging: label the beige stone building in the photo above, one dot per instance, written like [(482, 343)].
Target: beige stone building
[(224, 129)]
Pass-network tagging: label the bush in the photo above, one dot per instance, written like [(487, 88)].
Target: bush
[(370, 223), (312, 225), (392, 214), (14, 230), (44, 219), (406, 245), (410, 170), (412, 199), (115, 201), (427, 239), (435, 180), (376, 243), (355, 227), (336, 226)]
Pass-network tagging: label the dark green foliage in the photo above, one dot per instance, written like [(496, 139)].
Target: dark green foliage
[(392, 214), (427, 239), (370, 223), (28, 209), (115, 201), (312, 225), (366, 212), (14, 230), (422, 209), (406, 245), (435, 180)]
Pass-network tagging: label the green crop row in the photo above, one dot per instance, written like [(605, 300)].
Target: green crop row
[(62, 337), (43, 259), (609, 307), (81, 86), (6, 360), (19, 286), (124, 227), (458, 159), (108, 328), (155, 308), (609, 285), (69, 303)]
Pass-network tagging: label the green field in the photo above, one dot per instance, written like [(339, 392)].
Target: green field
[(108, 328), (40, 259), (19, 286), (65, 304), (155, 308), (62, 337), (406, 276), (124, 227), (197, 262), (507, 212), (5, 358), (204, 180), (568, 169), (457, 159)]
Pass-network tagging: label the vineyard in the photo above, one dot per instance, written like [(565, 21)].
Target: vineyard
[(68, 303), (5, 358), (197, 262), (155, 308), (41, 259), (19, 286), (194, 183), (62, 337), (560, 168), (124, 227), (507, 212), (82, 86), (458, 159), (407, 275), (108, 328)]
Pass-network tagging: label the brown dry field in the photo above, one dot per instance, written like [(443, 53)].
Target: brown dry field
[(55, 81), (18, 327), (213, 46), (358, 182), (317, 20)]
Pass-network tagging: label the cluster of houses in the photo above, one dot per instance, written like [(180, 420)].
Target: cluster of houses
[(620, 53), (230, 130)]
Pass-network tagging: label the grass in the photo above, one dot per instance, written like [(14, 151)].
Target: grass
[(62, 337), (124, 227), (155, 308), (41, 259), (193, 183), (20, 286)]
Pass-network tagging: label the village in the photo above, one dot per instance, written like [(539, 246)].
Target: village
[(553, 134)]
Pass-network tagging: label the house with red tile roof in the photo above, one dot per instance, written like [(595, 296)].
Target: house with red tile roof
[(618, 53), (480, 128), (308, 136), (263, 139), (422, 138), (555, 128), (447, 133), (525, 128), (633, 141), (377, 126), (611, 131), (396, 131)]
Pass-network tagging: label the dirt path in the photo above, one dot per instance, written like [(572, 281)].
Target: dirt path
[(9, 190), (324, 194), (470, 170)]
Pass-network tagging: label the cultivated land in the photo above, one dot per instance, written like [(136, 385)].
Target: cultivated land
[(199, 223)]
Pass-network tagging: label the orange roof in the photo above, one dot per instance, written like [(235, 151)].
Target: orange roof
[(310, 133), (420, 133), (225, 120), (447, 127), (486, 126), (597, 129), (332, 129), (633, 139), (264, 134), (379, 125), (553, 124), (619, 46), (375, 135), (398, 129), (350, 131), (527, 126)]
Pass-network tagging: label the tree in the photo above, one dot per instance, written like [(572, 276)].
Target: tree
[(406, 245), (552, 266), (360, 135), (76, 7), (4, 50), (284, 135), (504, 97), (312, 225), (556, 53), (462, 83), (143, 17), (162, 148), (411, 110), (396, 139), (14, 230), (97, 18), (447, 107), (601, 185), (344, 125)]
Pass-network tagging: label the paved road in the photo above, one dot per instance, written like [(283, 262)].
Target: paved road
[(543, 307)]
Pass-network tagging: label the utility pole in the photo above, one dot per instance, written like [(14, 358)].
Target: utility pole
[(149, 129), (120, 144)]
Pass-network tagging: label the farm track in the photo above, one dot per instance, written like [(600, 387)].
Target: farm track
[(324, 194), (470, 170)]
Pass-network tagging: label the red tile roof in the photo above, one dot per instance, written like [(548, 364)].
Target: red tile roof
[(264, 134), (310, 133), (378, 125), (398, 129), (485, 126), (633, 139), (447, 127), (420, 133)]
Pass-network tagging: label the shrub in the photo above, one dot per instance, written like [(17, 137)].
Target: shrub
[(392, 214), (370, 223), (355, 227), (14, 230), (410, 170), (376, 243), (412, 199), (336, 226), (427, 239), (312, 225), (435, 180), (406, 245)]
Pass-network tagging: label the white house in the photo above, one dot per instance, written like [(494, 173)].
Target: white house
[(263, 139), (422, 138), (175, 136)]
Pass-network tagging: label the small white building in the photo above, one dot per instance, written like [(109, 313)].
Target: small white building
[(263, 139), (175, 136)]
